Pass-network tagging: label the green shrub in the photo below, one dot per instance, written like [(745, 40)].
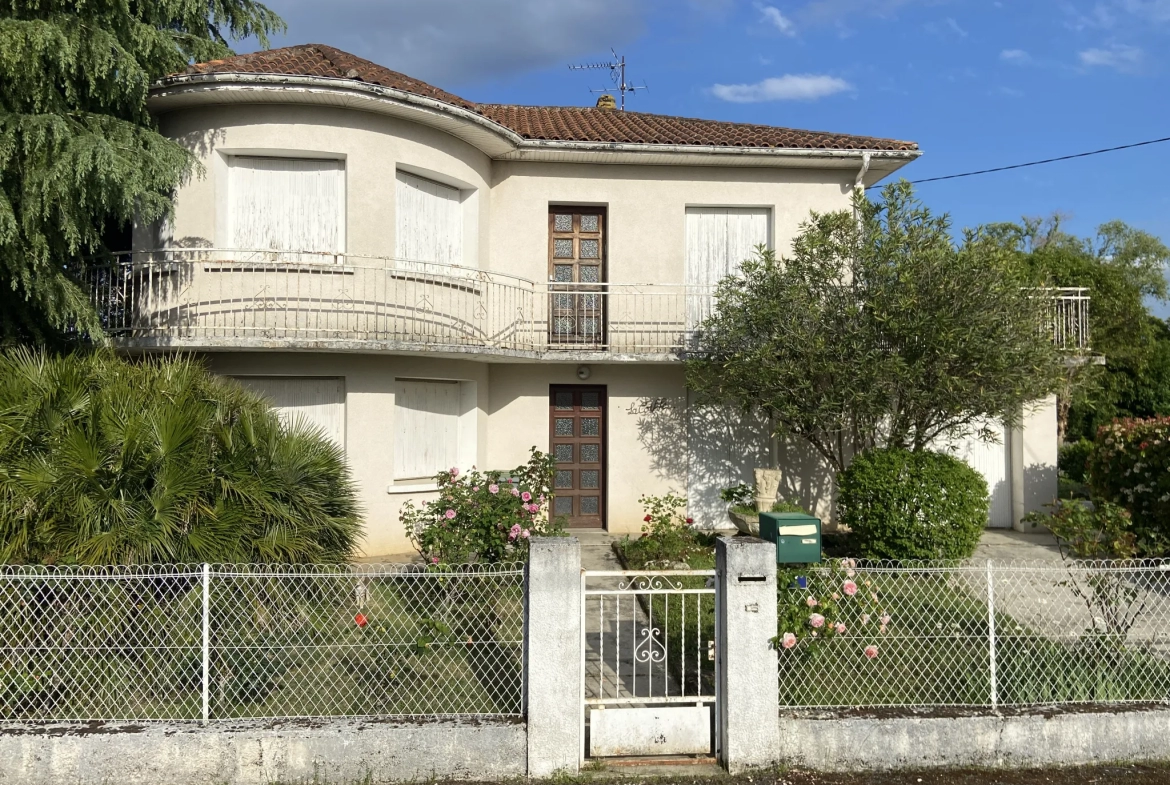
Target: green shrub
[(104, 461), (1073, 460), (913, 505), (784, 506), (1098, 530), (1130, 466), (739, 496), (484, 516)]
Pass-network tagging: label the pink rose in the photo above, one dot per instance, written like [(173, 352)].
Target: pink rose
[(515, 492), (450, 514), (839, 627), (788, 640), (526, 496), (475, 488), (816, 620), (871, 651), (493, 488), (885, 619), (454, 471), (849, 587), (524, 534), (811, 602), (514, 532), (434, 560), (865, 618)]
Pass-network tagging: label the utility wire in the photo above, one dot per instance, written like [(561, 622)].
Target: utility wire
[(1045, 161)]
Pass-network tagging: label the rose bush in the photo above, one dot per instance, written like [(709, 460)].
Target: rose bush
[(1130, 466), (484, 516), (834, 601)]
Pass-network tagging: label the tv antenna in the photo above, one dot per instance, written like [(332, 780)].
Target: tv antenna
[(617, 72)]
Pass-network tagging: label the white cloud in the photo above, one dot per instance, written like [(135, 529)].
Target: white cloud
[(951, 23), (1154, 10), (454, 42), (790, 87), (770, 15), (1015, 56), (1123, 58)]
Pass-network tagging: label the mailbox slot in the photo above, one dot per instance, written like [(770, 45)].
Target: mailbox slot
[(752, 578)]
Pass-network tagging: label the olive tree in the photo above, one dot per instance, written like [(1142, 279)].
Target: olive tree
[(878, 330)]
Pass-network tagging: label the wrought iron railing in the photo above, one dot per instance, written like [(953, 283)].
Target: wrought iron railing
[(199, 297)]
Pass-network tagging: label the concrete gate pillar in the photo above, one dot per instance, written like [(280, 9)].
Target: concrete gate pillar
[(552, 655), (749, 701)]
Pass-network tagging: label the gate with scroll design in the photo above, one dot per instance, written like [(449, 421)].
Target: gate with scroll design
[(648, 662)]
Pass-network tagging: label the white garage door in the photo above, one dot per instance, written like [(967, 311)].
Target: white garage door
[(991, 460), (318, 400)]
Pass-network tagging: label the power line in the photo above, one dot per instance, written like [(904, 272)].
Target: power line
[(1045, 161)]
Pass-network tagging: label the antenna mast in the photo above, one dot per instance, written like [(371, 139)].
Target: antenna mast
[(617, 72)]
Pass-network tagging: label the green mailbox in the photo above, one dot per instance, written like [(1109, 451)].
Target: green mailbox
[(796, 534)]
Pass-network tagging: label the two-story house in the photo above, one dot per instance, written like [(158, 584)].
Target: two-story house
[(439, 283)]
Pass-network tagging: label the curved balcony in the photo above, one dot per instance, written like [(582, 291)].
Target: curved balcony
[(208, 298), (223, 299)]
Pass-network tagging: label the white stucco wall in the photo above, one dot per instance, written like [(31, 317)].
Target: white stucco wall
[(646, 454), (369, 414), (1041, 445), (646, 208), (372, 146)]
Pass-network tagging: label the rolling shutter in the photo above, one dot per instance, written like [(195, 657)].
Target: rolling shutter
[(318, 401), (429, 226), (426, 428), (287, 204)]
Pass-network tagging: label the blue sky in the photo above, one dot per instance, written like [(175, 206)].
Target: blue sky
[(976, 84)]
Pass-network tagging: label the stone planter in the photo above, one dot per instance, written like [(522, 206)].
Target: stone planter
[(747, 524)]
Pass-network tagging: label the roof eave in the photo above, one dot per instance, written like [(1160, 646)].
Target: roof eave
[(495, 140)]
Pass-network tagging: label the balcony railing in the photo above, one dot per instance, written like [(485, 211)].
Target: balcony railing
[(196, 298)]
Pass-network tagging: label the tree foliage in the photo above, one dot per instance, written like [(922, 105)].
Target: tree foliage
[(103, 461), (1123, 268), (878, 330), (79, 153)]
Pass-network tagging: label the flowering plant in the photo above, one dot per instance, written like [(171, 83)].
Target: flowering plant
[(1130, 466), (832, 601), (484, 516)]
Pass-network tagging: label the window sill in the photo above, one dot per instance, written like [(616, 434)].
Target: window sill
[(421, 487)]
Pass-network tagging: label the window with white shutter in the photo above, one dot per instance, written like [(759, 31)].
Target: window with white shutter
[(430, 433), (318, 401), (429, 226), (719, 239), (286, 204)]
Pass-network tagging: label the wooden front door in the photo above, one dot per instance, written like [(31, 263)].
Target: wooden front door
[(577, 435), (576, 274)]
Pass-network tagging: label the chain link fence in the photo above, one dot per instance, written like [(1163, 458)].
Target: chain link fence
[(216, 642), (981, 634)]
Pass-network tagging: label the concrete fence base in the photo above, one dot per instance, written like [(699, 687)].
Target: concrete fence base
[(1019, 741), (264, 753)]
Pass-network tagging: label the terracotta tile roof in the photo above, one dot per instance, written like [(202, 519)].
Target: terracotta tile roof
[(561, 123), (589, 124), (321, 60)]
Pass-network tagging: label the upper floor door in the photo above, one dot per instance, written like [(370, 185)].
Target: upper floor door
[(429, 225), (576, 274), (719, 239)]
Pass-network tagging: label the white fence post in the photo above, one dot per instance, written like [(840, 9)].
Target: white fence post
[(206, 643), (991, 633)]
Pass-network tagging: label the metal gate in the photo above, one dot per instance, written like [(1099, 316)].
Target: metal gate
[(648, 662)]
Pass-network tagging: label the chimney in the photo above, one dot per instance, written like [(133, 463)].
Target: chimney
[(606, 101)]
